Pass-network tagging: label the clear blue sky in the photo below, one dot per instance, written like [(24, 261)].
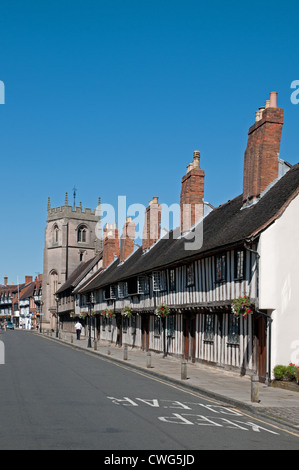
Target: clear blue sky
[(113, 96)]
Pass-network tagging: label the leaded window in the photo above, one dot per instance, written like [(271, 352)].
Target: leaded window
[(239, 264), (190, 275), (170, 325), (209, 332), (220, 267), (233, 329), (171, 277)]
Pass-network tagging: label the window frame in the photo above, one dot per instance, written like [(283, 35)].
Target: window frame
[(233, 332), (82, 234), (239, 265), (190, 275), (209, 327), (171, 279), (221, 267)]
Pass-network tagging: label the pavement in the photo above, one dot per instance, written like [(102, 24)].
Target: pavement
[(226, 387)]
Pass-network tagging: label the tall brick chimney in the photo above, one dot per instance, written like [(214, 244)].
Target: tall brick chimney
[(28, 279), (110, 244), (261, 155), (192, 193), (5, 280), (152, 224), (127, 239)]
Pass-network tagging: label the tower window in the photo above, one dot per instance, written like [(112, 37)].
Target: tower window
[(55, 234), (82, 234)]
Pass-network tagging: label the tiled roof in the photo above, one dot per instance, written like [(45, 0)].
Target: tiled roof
[(228, 225)]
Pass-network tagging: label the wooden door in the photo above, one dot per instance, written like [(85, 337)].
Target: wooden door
[(189, 337), (262, 348), (145, 332)]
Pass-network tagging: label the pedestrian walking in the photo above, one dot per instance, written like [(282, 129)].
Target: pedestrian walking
[(78, 327)]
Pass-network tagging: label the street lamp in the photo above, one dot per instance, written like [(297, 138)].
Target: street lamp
[(41, 315), (90, 304), (89, 319), (57, 300)]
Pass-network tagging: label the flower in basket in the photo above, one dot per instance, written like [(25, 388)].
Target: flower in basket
[(108, 313), (162, 311), (83, 314), (126, 311), (242, 306)]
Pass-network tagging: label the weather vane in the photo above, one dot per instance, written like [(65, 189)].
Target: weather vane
[(74, 193)]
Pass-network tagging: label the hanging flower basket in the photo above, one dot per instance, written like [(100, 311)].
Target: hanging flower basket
[(242, 306), (83, 315), (162, 311), (126, 312), (108, 313)]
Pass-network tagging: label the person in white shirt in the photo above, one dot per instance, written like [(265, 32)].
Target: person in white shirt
[(78, 327)]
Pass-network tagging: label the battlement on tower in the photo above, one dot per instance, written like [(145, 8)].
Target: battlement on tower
[(72, 212)]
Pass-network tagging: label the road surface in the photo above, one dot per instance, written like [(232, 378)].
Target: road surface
[(53, 397)]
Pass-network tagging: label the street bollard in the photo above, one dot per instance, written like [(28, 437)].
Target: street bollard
[(109, 350), (184, 370), (72, 339), (95, 345), (125, 353), (148, 360), (255, 388)]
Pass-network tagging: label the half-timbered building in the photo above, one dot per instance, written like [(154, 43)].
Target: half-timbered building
[(245, 248)]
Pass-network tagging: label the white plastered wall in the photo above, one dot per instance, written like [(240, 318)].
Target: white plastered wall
[(279, 284)]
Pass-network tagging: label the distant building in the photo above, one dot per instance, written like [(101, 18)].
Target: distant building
[(29, 307), (16, 300)]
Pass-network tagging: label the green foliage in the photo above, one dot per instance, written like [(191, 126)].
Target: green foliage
[(290, 372), (279, 372)]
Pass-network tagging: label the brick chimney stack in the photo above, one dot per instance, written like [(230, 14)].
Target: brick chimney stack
[(261, 155), (192, 193), (5, 280), (28, 279), (110, 244), (127, 239), (152, 224)]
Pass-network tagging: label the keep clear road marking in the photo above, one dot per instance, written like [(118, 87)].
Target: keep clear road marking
[(189, 392)]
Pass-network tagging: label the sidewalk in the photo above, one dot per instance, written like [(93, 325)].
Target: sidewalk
[(225, 387)]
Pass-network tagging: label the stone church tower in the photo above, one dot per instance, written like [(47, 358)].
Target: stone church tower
[(70, 238)]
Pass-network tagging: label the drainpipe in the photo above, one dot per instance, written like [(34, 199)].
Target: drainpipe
[(268, 317)]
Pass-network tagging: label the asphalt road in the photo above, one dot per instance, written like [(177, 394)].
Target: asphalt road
[(55, 397)]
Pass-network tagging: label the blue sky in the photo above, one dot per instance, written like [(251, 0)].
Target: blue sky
[(113, 96)]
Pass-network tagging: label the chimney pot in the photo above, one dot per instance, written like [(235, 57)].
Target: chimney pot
[(192, 193), (152, 224), (260, 159), (273, 99), (110, 245)]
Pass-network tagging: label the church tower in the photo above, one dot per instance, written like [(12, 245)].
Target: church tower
[(70, 238)]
